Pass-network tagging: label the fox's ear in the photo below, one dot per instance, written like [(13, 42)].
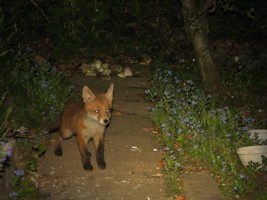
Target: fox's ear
[(88, 95), (109, 93)]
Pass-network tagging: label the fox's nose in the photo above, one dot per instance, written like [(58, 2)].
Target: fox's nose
[(106, 121)]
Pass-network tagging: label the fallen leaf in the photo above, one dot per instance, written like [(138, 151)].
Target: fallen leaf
[(177, 145), (180, 197), (147, 129), (146, 61), (161, 162), (39, 59), (118, 112), (156, 129), (157, 175)]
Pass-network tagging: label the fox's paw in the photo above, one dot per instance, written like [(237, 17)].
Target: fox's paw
[(88, 167), (101, 165), (58, 152)]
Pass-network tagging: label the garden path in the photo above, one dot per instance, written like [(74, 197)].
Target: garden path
[(131, 154)]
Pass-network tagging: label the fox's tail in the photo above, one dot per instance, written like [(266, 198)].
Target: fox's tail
[(53, 127)]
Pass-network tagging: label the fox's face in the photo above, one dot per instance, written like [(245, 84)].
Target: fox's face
[(98, 107)]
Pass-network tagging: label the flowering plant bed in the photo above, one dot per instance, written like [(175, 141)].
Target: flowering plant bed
[(198, 129)]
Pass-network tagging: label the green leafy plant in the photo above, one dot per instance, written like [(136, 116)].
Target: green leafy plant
[(37, 91), (21, 186), (36, 152)]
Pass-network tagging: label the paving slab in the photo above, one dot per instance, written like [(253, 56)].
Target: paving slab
[(201, 186)]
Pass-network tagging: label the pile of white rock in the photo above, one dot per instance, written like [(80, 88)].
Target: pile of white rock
[(97, 67)]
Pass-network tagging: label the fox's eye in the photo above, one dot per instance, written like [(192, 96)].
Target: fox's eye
[(96, 111), (108, 110)]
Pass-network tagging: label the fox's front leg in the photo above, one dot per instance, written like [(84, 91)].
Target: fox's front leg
[(85, 154), (99, 146)]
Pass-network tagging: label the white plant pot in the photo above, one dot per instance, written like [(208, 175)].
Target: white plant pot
[(261, 133), (252, 153)]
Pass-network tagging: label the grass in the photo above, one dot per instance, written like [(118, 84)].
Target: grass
[(200, 130)]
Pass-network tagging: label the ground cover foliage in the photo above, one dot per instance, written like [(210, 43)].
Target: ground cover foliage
[(38, 39), (32, 95), (200, 130)]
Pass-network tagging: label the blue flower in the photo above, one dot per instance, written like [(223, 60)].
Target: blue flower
[(190, 82), (3, 159), (242, 176), (43, 83), (149, 108), (13, 194), (177, 81), (72, 87), (193, 102), (163, 125), (18, 172), (209, 96), (168, 135), (53, 96), (224, 118), (28, 49), (184, 120), (167, 93), (147, 92), (52, 108), (174, 111), (9, 151), (166, 148), (224, 170), (169, 72)]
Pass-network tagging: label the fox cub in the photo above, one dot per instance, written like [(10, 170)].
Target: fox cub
[(87, 120)]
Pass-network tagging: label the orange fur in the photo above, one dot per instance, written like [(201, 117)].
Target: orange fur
[(87, 120)]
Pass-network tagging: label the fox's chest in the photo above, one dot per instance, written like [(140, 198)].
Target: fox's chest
[(92, 128)]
